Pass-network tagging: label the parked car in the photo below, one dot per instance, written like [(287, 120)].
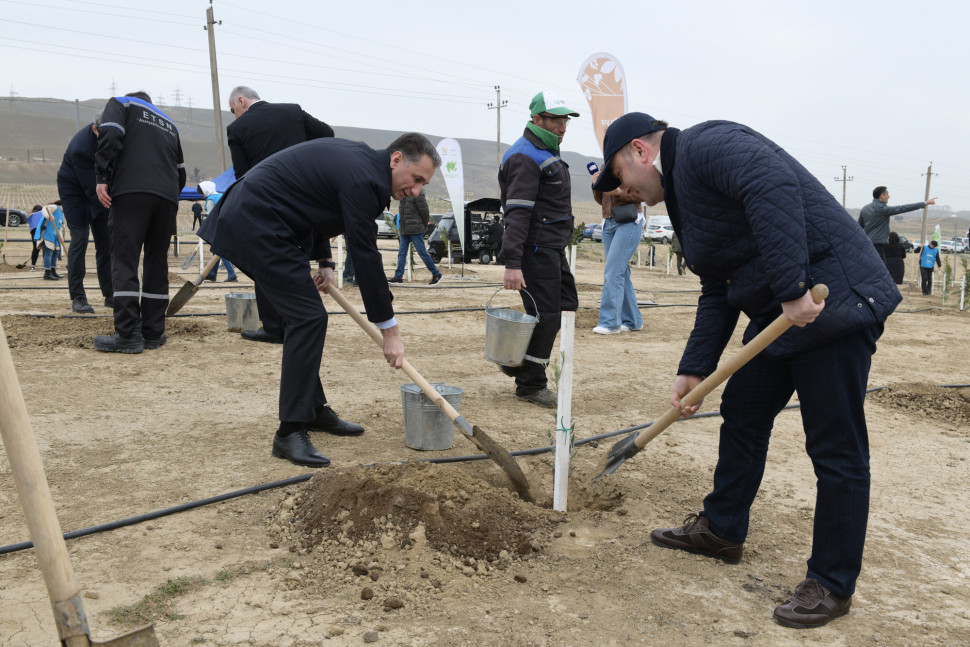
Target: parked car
[(907, 245), (478, 215), (597, 233), (385, 226), (588, 230), (954, 245), (16, 216), (433, 221), (659, 233)]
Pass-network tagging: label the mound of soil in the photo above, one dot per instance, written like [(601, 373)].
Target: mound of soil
[(79, 331), (929, 401), (398, 505)]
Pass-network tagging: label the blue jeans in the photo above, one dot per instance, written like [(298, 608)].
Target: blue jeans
[(618, 304), (402, 253), (50, 258), (230, 270), (831, 385)]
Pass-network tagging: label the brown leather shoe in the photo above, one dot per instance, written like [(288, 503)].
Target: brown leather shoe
[(812, 605), (695, 537)]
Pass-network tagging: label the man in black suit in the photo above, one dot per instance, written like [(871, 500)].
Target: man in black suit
[(260, 130), (331, 187)]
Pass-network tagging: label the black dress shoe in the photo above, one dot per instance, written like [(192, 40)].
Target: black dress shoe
[(117, 344), (109, 302), (261, 335), (297, 448), (55, 274), (327, 420)]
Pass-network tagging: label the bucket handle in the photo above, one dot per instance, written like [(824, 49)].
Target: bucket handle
[(522, 290)]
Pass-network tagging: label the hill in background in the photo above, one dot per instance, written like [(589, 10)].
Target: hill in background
[(36, 131)]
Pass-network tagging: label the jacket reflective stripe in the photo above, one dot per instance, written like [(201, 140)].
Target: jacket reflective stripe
[(551, 160), (113, 124), (520, 203)]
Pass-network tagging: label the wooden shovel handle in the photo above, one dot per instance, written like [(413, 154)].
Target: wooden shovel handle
[(208, 267), (726, 370), (31, 483), (411, 372)]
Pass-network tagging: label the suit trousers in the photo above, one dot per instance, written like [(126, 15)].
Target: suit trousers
[(140, 221), (304, 329), (268, 316), (83, 221), (551, 283), (830, 381)]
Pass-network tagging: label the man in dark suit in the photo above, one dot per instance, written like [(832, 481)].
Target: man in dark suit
[(84, 213), (331, 187), (260, 130)]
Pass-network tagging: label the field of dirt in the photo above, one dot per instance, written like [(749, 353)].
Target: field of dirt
[(384, 547)]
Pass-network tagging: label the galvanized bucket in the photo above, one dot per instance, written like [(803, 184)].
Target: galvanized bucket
[(426, 427), (241, 313), (508, 333)]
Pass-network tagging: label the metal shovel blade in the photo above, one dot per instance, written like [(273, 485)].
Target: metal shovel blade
[(619, 452), (187, 291), (499, 454)]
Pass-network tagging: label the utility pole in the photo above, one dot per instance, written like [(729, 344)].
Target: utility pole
[(114, 88), (77, 115), (497, 106), (929, 174), (178, 96), (843, 180), (210, 23)]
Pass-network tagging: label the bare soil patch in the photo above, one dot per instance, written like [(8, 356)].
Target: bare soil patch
[(385, 546)]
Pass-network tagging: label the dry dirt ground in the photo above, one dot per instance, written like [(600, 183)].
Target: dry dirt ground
[(376, 550)]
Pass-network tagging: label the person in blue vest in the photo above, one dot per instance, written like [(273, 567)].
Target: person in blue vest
[(33, 220), (929, 260), (212, 197), (760, 231), (47, 238)]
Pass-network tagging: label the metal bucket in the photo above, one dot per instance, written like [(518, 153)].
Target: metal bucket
[(241, 313), (508, 333), (427, 427)]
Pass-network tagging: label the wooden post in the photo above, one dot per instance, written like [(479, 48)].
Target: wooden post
[(564, 430), (407, 263)]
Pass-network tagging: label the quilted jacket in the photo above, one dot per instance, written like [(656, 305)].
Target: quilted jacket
[(759, 229)]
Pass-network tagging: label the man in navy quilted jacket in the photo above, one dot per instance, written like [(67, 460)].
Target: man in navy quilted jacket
[(759, 230)]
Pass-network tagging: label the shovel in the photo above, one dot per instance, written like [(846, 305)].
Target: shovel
[(45, 530), (632, 444), (481, 440), (188, 290)]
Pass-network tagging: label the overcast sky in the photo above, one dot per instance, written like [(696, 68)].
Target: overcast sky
[(880, 87)]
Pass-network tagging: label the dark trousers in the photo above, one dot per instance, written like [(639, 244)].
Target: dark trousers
[(35, 252), (881, 250), (304, 321), (550, 282), (926, 279), (82, 223), (140, 221), (268, 315), (831, 383)]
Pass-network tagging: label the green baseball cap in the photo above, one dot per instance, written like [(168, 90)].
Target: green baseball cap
[(550, 103)]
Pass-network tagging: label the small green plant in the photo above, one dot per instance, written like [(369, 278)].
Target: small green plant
[(157, 604), (389, 219), (577, 236)]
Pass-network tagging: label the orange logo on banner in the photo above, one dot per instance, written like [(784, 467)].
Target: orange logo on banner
[(604, 85)]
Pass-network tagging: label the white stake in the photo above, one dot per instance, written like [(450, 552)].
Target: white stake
[(564, 431), (407, 263)]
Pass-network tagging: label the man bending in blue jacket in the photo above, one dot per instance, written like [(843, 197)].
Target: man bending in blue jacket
[(759, 230)]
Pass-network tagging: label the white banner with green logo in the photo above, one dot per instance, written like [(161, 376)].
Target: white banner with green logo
[(454, 176)]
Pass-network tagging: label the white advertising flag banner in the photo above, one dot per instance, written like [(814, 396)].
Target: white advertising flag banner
[(604, 85), (454, 176)]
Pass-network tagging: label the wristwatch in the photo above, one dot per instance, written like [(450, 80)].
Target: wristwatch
[(329, 264)]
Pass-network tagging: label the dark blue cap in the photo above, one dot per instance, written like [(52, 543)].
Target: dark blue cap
[(620, 133)]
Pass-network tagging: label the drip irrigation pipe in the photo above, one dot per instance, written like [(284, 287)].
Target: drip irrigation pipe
[(130, 521)]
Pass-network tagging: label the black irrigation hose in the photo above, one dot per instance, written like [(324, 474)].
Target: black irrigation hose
[(121, 523)]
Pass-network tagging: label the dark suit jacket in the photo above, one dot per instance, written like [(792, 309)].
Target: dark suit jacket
[(76, 183), (287, 209), (268, 128)]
